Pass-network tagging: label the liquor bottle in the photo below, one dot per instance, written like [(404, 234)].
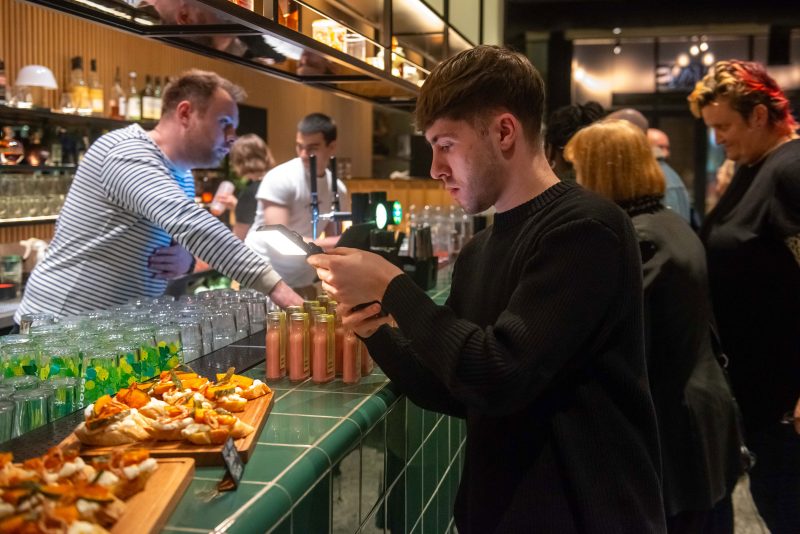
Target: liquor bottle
[(289, 14), (158, 95), (117, 108), (148, 97), (3, 98), (79, 91), (134, 103), (95, 89)]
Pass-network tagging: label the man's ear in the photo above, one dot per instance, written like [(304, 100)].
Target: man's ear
[(759, 117), (509, 130), (183, 112), (332, 146)]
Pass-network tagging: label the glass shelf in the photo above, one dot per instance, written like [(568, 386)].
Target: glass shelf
[(12, 169), (25, 220)]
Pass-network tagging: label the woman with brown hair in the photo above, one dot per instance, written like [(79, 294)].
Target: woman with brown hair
[(251, 159), (698, 431)]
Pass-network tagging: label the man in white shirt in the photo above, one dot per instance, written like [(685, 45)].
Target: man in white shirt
[(284, 197)]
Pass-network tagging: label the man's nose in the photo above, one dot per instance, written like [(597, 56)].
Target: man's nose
[(439, 169)]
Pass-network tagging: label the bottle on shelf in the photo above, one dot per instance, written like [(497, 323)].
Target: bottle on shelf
[(158, 96), (79, 90), (289, 14), (148, 99), (134, 100), (11, 150), (117, 107), (95, 89), (216, 207)]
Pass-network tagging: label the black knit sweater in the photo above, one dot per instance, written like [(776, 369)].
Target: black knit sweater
[(540, 348)]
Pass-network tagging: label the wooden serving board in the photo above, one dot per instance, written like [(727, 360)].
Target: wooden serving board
[(149, 510), (255, 414)]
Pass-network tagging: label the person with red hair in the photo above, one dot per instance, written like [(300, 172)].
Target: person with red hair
[(752, 239)]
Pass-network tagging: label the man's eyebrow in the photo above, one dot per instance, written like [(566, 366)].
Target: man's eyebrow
[(439, 136)]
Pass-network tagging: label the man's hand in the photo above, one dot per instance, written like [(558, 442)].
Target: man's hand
[(364, 322), (170, 262), (353, 276), (283, 295)]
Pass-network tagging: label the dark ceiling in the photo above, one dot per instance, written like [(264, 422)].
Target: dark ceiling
[(554, 15)]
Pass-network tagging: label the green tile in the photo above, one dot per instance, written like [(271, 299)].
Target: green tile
[(442, 432), (215, 473), (453, 479), (430, 521), (417, 528), (307, 402), (373, 451), (313, 512), (304, 474), (268, 461), (455, 435), (395, 442), (368, 385), (414, 488), (428, 422), (340, 440), (368, 414), (285, 527), (265, 512), (345, 492), (390, 394), (295, 430), (395, 507), (203, 507), (414, 425), (429, 468), (444, 510)]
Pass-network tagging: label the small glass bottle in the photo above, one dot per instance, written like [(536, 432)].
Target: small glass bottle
[(157, 94), (289, 14), (117, 108), (308, 304), (95, 89), (297, 351), (134, 101), (366, 360), (276, 345), (293, 309), (322, 365), (148, 99), (339, 332), (351, 358), (323, 300), (79, 90)]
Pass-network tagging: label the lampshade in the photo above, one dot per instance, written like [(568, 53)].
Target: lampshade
[(36, 76)]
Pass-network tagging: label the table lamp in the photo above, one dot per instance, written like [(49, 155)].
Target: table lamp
[(32, 76)]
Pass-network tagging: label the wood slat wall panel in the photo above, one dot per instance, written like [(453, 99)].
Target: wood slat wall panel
[(30, 34), (16, 233)]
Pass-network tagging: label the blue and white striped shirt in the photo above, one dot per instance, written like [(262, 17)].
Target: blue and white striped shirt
[(127, 200)]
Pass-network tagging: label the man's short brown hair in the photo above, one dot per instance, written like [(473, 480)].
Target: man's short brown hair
[(198, 87), (481, 80)]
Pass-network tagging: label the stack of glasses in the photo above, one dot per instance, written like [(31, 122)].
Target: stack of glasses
[(103, 351)]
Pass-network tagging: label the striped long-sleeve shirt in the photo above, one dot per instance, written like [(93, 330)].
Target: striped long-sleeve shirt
[(126, 201)]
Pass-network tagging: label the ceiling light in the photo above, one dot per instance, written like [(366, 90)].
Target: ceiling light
[(616, 31), (703, 46), (694, 50), (708, 59), (617, 50), (683, 60)]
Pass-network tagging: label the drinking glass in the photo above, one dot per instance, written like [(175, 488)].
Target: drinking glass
[(65, 360), (6, 420), (30, 409), (191, 338), (65, 395), (19, 359), (130, 368), (20, 383), (241, 318), (224, 328), (100, 374), (34, 319), (168, 342), (257, 309)]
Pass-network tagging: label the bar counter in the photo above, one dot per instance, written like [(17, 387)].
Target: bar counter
[(331, 458)]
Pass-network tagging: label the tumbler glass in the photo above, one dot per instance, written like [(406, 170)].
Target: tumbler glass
[(30, 409), (23, 382), (100, 374), (191, 338), (19, 359), (6, 420), (65, 395), (34, 319), (257, 308), (168, 342), (224, 328)]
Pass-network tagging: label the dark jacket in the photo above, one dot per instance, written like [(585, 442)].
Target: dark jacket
[(696, 413)]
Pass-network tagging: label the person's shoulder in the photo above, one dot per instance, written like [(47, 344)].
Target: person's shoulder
[(578, 203), (286, 169)]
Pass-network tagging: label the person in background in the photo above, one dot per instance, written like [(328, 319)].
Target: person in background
[(752, 239), (697, 417), (659, 141), (561, 125), (724, 176), (251, 159), (284, 197), (540, 344), (133, 195), (676, 197)]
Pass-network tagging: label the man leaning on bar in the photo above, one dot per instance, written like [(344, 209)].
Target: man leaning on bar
[(130, 223)]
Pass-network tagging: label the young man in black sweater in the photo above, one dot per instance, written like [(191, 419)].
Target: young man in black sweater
[(540, 343)]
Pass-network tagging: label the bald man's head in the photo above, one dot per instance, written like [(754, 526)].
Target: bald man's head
[(659, 140), (632, 116)]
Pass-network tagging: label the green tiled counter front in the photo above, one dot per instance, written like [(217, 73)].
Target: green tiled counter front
[(337, 458)]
